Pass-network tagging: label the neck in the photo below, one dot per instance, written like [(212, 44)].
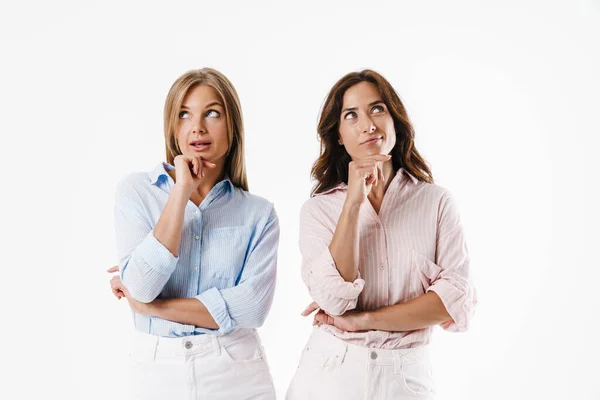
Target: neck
[(210, 179)]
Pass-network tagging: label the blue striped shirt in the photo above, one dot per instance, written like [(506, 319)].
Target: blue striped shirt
[(227, 258)]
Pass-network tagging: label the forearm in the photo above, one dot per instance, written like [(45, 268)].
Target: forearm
[(184, 311), (344, 244), (170, 224), (421, 312)]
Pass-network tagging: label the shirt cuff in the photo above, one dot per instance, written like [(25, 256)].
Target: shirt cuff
[(458, 304), (156, 256), (216, 306), (324, 275), (327, 287)]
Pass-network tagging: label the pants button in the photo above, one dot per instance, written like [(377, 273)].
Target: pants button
[(188, 345), (373, 355)]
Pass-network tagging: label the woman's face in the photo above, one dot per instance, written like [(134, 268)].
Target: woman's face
[(366, 126), (202, 126)]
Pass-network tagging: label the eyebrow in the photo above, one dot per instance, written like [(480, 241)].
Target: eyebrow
[(370, 105), (214, 103)]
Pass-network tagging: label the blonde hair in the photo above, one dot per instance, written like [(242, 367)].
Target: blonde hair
[(235, 166)]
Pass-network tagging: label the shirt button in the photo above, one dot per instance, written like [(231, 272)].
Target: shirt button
[(373, 355), (197, 237), (378, 225), (381, 267), (195, 268), (188, 345)]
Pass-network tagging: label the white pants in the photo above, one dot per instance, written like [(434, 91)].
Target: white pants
[(332, 369), (200, 367)]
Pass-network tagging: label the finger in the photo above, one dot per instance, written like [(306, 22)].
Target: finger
[(370, 177), (365, 164), (380, 172), (209, 164), (381, 157), (322, 318), (311, 307), (200, 173), (194, 162), (363, 171), (375, 174), (114, 268), (375, 157)]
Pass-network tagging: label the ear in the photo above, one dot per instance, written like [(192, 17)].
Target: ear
[(340, 141)]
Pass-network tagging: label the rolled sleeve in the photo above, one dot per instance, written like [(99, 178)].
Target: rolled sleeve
[(148, 269), (458, 303), (327, 287), (145, 264), (319, 272), (453, 284), (155, 256), (216, 306)]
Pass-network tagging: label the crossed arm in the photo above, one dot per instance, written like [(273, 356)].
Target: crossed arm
[(148, 258), (449, 301)]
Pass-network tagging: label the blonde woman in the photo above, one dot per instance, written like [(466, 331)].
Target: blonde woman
[(384, 254), (197, 254)]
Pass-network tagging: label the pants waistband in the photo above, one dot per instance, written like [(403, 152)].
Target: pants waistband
[(165, 347), (326, 343)]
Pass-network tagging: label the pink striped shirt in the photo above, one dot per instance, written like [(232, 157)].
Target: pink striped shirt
[(415, 244)]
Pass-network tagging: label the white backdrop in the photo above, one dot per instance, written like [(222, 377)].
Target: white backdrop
[(504, 99)]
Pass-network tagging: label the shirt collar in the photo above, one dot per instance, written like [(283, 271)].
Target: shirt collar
[(401, 174), (161, 174), (408, 174)]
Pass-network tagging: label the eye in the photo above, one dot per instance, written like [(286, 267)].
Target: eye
[(377, 109), (213, 113), (350, 115), (184, 114)]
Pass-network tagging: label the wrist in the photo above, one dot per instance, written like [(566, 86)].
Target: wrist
[(151, 308), (351, 207), (179, 189), (365, 321)]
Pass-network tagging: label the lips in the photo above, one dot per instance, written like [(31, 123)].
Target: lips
[(200, 145), (373, 140)]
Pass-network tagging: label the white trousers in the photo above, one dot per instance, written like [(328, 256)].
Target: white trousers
[(331, 369), (228, 367)]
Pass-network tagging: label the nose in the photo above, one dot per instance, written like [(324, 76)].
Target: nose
[(198, 126), (368, 126)]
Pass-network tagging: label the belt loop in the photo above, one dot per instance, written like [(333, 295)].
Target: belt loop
[(342, 355), (216, 344), (155, 340), (397, 362)]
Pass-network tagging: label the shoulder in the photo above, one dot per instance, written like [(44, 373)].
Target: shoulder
[(325, 204), (439, 199), (130, 184), (252, 203), (136, 187)]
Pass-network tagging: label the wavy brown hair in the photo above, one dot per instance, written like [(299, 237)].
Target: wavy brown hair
[(235, 166), (331, 168)]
